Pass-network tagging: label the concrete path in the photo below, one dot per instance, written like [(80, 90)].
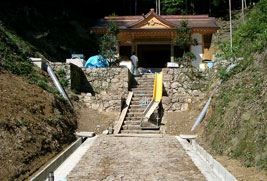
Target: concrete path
[(134, 158)]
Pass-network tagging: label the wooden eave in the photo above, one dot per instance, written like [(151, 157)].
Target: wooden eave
[(151, 22), (150, 16)]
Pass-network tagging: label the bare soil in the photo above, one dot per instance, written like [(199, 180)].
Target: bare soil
[(177, 123), (93, 120), (181, 122), (34, 126)]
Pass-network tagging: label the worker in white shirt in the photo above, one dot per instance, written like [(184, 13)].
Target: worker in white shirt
[(135, 62)]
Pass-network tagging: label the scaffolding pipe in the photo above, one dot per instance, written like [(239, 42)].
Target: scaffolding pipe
[(57, 84), (204, 110)]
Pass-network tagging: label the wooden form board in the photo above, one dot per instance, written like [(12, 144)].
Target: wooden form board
[(117, 128)]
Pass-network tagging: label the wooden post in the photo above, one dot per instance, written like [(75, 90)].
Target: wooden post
[(230, 14)]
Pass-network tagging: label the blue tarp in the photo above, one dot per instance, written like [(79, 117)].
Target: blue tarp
[(96, 62)]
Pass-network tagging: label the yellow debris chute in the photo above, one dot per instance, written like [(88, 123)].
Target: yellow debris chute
[(158, 86), (157, 96)]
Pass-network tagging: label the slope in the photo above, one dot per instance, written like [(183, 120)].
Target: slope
[(236, 124), (35, 123)]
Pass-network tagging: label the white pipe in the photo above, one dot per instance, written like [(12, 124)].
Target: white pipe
[(57, 84), (204, 110)]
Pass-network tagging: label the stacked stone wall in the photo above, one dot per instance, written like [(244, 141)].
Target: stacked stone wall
[(106, 88), (182, 87), (102, 88)]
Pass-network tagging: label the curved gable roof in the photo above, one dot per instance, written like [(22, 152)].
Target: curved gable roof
[(152, 21), (151, 18)]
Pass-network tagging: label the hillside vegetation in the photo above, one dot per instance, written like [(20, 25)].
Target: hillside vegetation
[(35, 122), (236, 124)]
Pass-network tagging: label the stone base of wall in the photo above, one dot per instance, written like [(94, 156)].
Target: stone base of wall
[(102, 88), (182, 87), (106, 88), (103, 102)]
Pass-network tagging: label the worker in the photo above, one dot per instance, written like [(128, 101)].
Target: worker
[(134, 59)]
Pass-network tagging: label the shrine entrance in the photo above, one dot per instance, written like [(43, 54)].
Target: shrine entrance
[(153, 56)]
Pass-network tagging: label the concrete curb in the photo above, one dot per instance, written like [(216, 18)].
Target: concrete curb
[(42, 175), (208, 166), (69, 164), (215, 165)]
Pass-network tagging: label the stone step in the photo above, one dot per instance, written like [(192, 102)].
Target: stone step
[(142, 85), (138, 103), (133, 119), (150, 76), (132, 122), (140, 132), (142, 89), (142, 95), (136, 109), (142, 82), (140, 98), (137, 106), (134, 114), (131, 127)]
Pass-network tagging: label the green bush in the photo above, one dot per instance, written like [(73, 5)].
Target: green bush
[(250, 37)]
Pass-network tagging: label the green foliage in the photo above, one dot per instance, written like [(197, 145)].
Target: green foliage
[(62, 77), (184, 40), (41, 81), (61, 73), (250, 37), (109, 41), (18, 68), (173, 7)]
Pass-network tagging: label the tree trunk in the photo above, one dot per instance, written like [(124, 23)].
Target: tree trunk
[(156, 6), (230, 15), (243, 15), (159, 7)]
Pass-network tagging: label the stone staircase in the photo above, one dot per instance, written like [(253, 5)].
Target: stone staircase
[(142, 88)]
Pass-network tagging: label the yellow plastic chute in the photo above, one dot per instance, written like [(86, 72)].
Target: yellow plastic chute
[(158, 87)]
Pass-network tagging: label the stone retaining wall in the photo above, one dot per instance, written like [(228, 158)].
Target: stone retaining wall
[(182, 86), (106, 88), (103, 88)]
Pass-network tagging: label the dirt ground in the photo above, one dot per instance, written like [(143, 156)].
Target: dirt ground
[(94, 121), (177, 123), (34, 126)]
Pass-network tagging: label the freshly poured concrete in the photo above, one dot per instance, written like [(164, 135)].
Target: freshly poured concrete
[(135, 158), (64, 169), (139, 158)]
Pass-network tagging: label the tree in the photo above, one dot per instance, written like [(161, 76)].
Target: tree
[(109, 41), (173, 7), (184, 40)]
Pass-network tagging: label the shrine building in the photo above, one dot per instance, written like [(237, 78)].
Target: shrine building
[(152, 36)]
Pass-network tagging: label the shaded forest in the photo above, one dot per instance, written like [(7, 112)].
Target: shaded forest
[(58, 28)]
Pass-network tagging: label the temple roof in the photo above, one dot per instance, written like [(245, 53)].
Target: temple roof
[(153, 21)]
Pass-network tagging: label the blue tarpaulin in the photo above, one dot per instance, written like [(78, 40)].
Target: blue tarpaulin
[(96, 62)]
